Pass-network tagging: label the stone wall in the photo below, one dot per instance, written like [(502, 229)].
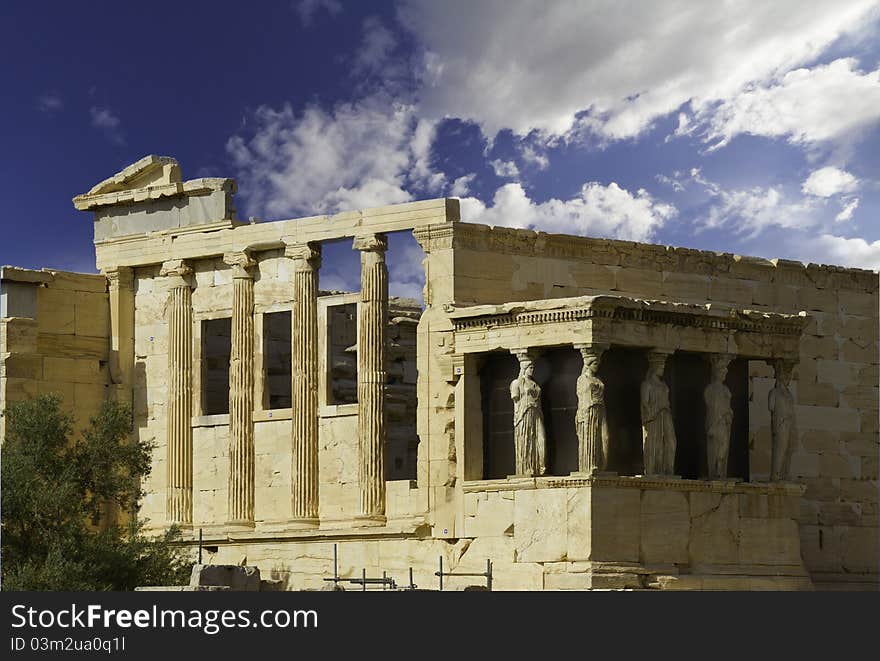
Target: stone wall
[(835, 383), (54, 330)]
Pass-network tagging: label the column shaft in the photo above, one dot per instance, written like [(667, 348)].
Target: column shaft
[(179, 430), (241, 394), (372, 330), (304, 386)]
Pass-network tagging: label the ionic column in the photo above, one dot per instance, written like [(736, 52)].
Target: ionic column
[(240, 510), (304, 386), (372, 327), (178, 507)]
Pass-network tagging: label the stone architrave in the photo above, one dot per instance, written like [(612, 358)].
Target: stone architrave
[(179, 430), (719, 417), (241, 393), (592, 426), (529, 437), (783, 426), (658, 431), (304, 383), (372, 331)]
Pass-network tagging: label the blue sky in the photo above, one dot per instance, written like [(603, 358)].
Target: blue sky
[(746, 127)]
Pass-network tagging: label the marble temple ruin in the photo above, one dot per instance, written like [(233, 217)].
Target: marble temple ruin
[(584, 413)]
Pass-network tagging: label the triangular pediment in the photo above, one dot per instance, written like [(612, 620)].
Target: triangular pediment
[(149, 171)]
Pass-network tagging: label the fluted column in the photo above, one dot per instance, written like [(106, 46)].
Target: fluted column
[(304, 386), (241, 393), (372, 328), (178, 507)]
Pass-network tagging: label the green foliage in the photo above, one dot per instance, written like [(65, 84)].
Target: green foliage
[(55, 492)]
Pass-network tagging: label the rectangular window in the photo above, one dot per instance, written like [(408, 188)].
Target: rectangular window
[(342, 354), (216, 351), (276, 358)]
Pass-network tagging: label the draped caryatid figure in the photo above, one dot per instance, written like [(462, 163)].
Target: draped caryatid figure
[(658, 431), (783, 430), (528, 421), (719, 417), (592, 426)]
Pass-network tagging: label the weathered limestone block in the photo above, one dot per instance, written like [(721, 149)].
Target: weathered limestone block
[(615, 518), (579, 522), (540, 525), (714, 528), (769, 541), (493, 517), (665, 527)]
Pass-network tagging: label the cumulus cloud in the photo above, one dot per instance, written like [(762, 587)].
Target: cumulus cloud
[(829, 181), (367, 153), (855, 252), (462, 185), (546, 69), (847, 212), (806, 106), (504, 169), (606, 211)]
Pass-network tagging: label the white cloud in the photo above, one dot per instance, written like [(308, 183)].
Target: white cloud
[(376, 46), (534, 67), (505, 169), (829, 181), (806, 106), (307, 9), (110, 124), (363, 154), (462, 185), (853, 252), (847, 211), (535, 156), (606, 211)]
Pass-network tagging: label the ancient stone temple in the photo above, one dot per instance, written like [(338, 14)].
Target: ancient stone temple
[(583, 413)]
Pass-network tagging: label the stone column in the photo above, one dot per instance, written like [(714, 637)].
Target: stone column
[(372, 330), (304, 386), (121, 289), (591, 421), (178, 424), (240, 510)]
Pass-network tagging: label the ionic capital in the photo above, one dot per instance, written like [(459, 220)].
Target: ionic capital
[(377, 243), (305, 256), (121, 277), (240, 262), (176, 267)]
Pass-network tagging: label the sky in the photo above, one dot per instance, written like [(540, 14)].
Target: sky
[(739, 126)]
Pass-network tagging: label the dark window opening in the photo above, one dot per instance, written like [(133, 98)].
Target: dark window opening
[(496, 374), (216, 351), (276, 359), (622, 371), (342, 354), (557, 371)]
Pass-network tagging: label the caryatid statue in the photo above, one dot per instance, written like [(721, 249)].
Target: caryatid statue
[(529, 438), (592, 427), (719, 417), (658, 431), (783, 430)]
